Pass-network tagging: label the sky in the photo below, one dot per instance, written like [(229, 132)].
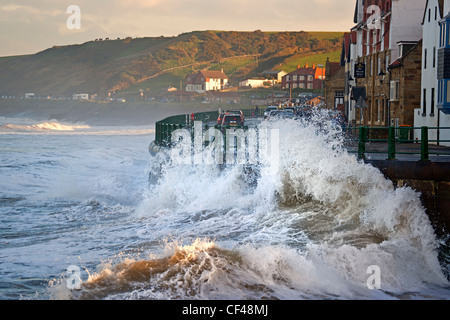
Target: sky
[(30, 26)]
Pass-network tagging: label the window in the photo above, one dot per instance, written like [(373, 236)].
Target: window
[(310, 86), (429, 15), (448, 91), (371, 67), (379, 110), (432, 102), (388, 62), (435, 13), (301, 78), (424, 106), (425, 54), (394, 92), (379, 65), (294, 78), (434, 57), (310, 78), (443, 35)]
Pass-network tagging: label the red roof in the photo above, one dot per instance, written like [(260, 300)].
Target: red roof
[(213, 74), (204, 76), (304, 72)]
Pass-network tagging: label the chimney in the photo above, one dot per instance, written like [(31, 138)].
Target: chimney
[(221, 70), (314, 65), (306, 65)]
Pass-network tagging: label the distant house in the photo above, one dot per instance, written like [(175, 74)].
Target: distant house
[(30, 95), (206, 80), (80, 96), (276, 75), (256, 83), (304, 78)]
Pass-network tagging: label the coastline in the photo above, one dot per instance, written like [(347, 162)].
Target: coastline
[(94, 113)]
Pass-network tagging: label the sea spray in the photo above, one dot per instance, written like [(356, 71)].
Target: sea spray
[(348, 215)]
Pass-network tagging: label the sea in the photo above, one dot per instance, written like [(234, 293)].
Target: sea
[(87, 213)]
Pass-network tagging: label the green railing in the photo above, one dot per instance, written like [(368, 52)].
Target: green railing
[(395, 141), (363, 141)]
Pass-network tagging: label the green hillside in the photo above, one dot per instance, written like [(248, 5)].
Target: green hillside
[(152, 63)]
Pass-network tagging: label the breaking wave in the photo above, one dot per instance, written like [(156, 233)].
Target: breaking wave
[(46, 126), (312, 230)]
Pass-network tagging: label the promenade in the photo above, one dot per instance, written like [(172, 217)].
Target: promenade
[(404, 151)]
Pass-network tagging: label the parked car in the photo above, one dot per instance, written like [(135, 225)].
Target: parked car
[(237, 112), (290, 109), (232, 120), (280, 114), (268, 110)]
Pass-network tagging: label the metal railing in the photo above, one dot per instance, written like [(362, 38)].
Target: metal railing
[(363, 141), (394, 141)]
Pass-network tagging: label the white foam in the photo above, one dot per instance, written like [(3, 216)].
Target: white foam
[(368, 221)]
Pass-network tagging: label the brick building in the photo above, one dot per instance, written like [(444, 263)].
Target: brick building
[(334, 86), (383, 29), (405, 84), (304, 78)]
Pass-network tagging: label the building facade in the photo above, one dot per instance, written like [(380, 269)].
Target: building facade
[(429, 113), (405, 85), (334, 86), (370, 49)]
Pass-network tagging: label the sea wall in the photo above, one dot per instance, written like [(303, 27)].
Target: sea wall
[(431, 179)]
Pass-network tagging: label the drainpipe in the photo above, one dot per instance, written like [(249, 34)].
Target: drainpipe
[(389, 100)]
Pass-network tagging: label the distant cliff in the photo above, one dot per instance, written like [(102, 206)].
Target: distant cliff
[(98, 66)]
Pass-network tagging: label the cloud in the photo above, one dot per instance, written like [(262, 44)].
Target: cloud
[(139, 3), (46, 19)]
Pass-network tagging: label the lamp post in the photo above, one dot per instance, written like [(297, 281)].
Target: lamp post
[(382, 76), (350, 82)]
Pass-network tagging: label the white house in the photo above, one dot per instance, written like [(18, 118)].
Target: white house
[(80, 96), (206, 80), (256, 83), (428, 114), (275, 74)]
